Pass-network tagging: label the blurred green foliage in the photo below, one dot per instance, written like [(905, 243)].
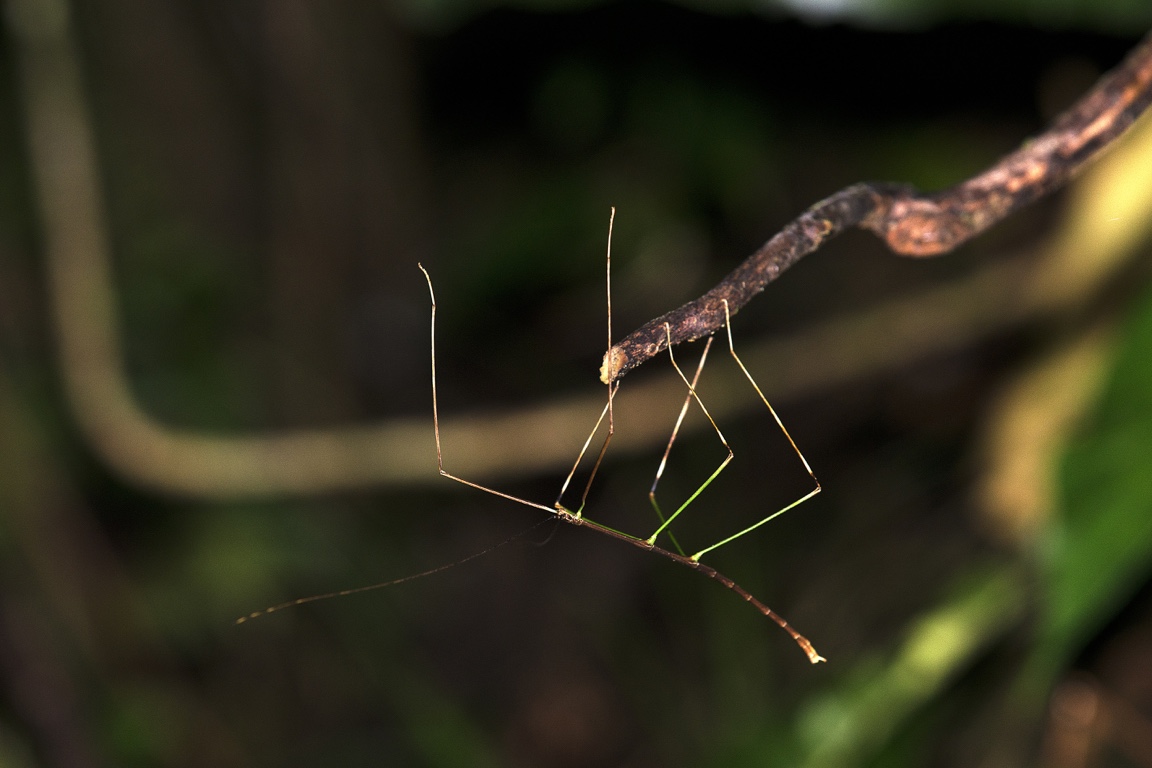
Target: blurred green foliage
[(1098, 552)]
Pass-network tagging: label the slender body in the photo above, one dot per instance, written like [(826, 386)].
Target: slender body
[(576, 517)]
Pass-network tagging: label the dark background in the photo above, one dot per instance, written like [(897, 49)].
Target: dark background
[(272, 173)]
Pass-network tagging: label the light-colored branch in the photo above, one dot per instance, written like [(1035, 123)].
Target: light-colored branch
[(912, 223), (525, 442)]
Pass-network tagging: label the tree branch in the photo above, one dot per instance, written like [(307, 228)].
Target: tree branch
[(912, 223)]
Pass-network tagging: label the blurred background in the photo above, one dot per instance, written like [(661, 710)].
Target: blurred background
[(215, 393)]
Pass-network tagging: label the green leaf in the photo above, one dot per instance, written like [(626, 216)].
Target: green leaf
[(1100, 548)]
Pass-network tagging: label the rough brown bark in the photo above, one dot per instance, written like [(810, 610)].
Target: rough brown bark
[(912, 223)]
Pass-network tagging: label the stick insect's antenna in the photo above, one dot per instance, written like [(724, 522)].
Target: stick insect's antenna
[(611, 394), (611, 388), (384, 584)]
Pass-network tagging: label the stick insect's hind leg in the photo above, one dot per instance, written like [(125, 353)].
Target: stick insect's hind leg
[(779, 423), (672, 440), (692, 395)]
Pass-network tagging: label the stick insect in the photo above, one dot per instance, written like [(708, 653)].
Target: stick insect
[(576, 517)]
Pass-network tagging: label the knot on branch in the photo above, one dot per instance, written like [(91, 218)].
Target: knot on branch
[(922, 226)]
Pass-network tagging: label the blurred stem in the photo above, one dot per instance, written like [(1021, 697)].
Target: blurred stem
[(1029, 426), (306, 461), (861, 714)]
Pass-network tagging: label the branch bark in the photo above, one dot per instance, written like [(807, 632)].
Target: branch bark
[(910, 222)]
